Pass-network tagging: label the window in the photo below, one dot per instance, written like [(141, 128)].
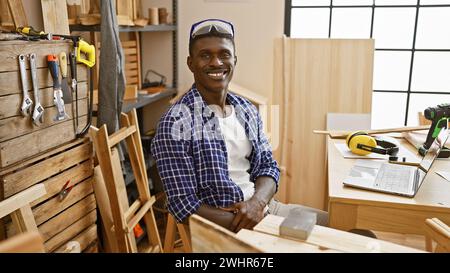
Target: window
[(412, 48)]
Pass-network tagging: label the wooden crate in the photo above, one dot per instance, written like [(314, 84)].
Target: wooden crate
[(19, 138), (59, 221)]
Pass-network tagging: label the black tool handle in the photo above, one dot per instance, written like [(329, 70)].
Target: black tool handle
[(53, 67), (73, 65)]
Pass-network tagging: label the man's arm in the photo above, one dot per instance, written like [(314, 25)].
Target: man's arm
[(251, 212), (219, 216)]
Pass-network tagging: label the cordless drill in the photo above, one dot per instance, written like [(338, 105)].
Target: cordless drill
[(439, 116)]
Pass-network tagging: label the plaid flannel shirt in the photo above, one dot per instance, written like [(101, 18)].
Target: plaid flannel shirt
[(191, 155)]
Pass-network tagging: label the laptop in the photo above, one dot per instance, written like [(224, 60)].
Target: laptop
[(396, 179)]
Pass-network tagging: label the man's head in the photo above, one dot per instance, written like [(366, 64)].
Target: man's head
[(212, 54)]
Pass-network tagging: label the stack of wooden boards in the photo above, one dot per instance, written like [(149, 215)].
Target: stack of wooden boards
[(47, 154)]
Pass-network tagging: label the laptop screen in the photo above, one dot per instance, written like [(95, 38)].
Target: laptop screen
[(434, 150)]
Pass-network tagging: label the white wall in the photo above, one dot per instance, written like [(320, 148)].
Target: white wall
[(257, 23)]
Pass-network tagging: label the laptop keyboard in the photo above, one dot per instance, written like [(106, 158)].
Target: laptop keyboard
[(392, 178)]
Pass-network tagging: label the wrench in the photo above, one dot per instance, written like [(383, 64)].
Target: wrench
[(26, 101), (38, 112)]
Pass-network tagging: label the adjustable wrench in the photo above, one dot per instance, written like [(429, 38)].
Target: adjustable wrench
[(26, 101), (38, 112)]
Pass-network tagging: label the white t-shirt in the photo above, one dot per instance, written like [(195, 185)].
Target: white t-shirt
[(239, 149)]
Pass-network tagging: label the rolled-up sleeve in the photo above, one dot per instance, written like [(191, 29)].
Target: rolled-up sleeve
[(176, 169)]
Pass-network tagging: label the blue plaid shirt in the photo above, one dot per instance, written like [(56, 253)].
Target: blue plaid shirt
[(191, 155)]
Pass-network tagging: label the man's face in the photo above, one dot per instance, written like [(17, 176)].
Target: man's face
[(212, 62)]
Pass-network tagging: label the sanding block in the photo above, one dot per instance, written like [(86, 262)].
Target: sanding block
[(298, 224)]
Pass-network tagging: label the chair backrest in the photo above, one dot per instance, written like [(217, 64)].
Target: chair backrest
[(437, 231), (348, 121), (208, 237)]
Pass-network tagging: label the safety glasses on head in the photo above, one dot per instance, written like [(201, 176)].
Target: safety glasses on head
[(206, 26)]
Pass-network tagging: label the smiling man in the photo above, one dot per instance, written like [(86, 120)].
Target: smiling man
[(210, 149)]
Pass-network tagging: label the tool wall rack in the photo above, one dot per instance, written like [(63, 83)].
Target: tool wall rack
[(49, 153)]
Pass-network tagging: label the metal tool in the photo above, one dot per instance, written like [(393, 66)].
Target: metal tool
[(57, 92), (64, 191), (26, 101), (440, 117), (67, 95), (74, 83), (30, 31), (38, 113)]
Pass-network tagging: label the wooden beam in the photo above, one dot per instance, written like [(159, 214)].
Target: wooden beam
[(21, 199)]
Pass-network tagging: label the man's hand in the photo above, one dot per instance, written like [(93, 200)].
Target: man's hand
[(248, 214)]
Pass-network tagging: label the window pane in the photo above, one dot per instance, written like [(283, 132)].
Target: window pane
[(352, 2), (351, 23), (434, 2), (419, 102), (311, 2), (310, 22), (394, 27), (431, 72), (391, 70), (432, 28), (396, 2), (388, 110)]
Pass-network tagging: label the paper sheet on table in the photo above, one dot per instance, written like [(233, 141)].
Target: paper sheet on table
[(445, 175), (409, 156)]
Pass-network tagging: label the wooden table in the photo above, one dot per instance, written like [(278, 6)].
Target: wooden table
[(265, 236), (354, 208)]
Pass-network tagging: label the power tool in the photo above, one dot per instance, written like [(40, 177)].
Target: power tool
[(30, 31), (439, 116)]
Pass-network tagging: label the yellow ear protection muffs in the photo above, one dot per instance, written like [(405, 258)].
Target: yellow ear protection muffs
[(361, 143)]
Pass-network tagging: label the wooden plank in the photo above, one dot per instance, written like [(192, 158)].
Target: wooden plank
[(41, 156), (329, 238), (131, 58), (71, 231), (325, 68), (53, 206), (127, 44), (131, 80), (21, 199), (23, 219), (344, 134), (274, 244), (17, 149), (131, 73), (10, 81), (84, 239), (18, 126), (92, 248), (121, 134), (10, 104), (208, 237), (63, 220), (18, 13), (129, 51), (101, 196), (54, 14), (11, 49), (75, 175), (24, 178), (30, 242), (5, 16), (130, 66)]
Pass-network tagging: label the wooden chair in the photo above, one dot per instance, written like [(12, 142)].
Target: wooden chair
[(439, 232), (18, 207), (183, 231), (125, 217)]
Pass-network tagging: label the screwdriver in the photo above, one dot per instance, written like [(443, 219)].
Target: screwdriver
[(30, 31)]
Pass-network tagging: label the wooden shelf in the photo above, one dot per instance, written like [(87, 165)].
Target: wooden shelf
[(143, 100), (148, 28)]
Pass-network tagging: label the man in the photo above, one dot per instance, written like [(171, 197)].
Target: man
[(210, 149)]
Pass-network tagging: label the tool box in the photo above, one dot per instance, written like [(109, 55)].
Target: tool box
[(47, 152)]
